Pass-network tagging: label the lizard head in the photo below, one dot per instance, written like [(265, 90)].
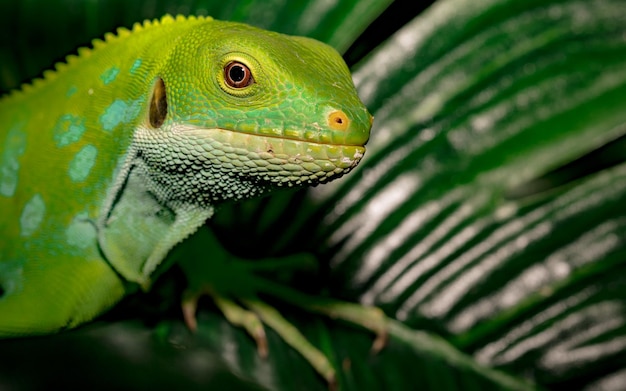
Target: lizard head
[(254, 109)]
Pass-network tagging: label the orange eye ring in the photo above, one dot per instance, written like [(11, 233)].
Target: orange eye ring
[(237, 75)]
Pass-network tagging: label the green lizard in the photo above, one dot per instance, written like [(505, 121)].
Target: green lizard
[(122, 152)]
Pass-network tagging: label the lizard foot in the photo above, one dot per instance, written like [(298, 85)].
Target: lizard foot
[(235, 314), (252, 320)]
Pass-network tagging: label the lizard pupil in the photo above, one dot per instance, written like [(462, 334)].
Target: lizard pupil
[(237, 75)]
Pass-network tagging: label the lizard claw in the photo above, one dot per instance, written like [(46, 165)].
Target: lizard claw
[(233, 312), (377, 323), (379, 342), (189, 306)]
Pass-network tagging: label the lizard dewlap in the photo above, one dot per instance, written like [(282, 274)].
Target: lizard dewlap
[(122, 152)]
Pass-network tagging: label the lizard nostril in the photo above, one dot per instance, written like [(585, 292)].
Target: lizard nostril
[(338, 120)]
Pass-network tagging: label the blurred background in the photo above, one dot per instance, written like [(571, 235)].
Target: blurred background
[(487, 216)]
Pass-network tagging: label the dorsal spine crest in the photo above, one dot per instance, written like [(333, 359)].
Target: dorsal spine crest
[(83, 52)]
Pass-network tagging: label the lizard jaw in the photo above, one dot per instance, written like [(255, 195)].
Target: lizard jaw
[(279, 159), (274, 160)]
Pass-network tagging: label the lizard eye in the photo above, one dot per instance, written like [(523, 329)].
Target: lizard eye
[(237, 75)]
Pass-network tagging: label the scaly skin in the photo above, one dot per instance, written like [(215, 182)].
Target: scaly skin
[(122, 152)]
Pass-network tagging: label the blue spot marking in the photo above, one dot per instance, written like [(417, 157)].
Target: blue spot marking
[(82, 163), (68, 129), (14, 147), (81, 233), (109, 75), (32, 215), (11, 276), (119, 112), (72, 90), (135, 66)]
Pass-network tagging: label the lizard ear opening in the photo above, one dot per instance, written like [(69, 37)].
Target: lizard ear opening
[(158, 104)]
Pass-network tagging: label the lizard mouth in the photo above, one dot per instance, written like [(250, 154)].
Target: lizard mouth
[(338, 130), (278, 159), (308, 136)]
